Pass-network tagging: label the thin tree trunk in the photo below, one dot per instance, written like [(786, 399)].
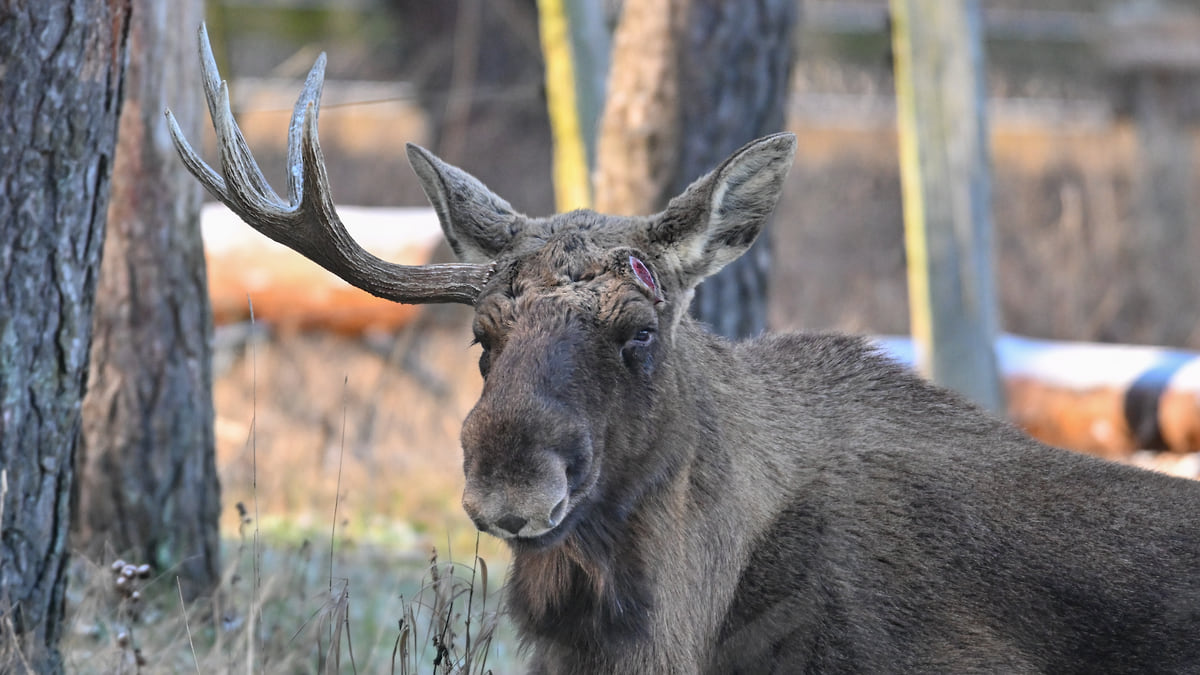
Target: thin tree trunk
[(737, 61), (61, 68), (944, 171), (147, 475), (575, 46), (692, 81), (638, 147)]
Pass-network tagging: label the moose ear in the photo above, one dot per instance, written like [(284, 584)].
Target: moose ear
[(720, 215), (477, 223)]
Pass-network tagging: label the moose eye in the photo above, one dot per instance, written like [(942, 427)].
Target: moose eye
[(642, 338), (485, 356), (485, 363), (635, 353)]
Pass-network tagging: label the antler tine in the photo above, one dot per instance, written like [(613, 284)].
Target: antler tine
[(307, 105), (216, 94), (308, 222)]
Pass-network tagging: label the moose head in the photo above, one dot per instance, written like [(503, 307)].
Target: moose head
[(576, 319), (575, 313)]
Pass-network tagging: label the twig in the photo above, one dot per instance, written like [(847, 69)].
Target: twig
[(470, 606), (337, 495), (3, 492), (256, 552), (462, 78), (346, 623), (186, 625)]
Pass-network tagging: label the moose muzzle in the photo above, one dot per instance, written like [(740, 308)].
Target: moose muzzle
[(519, 504)]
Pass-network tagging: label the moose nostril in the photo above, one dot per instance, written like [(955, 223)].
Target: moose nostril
[(560, 509), (512, 523)]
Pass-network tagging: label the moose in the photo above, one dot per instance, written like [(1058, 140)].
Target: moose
[(679, 503)]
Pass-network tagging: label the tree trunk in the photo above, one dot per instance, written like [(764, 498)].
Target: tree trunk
[(575, 48), (692, 81), (1154, 66), (944, 172), (147, 472), (60, 92)]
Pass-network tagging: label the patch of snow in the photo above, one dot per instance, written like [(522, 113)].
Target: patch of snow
[(374, 228), (1080, 365)]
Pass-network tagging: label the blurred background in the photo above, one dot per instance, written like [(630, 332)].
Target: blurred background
[(465, 78), (1079, 97)]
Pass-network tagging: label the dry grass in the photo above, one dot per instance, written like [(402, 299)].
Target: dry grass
[(388, 415), (345, 546), (379, 612)]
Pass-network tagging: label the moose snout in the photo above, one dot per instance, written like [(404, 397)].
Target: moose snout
[(527, 462), (519, 509)]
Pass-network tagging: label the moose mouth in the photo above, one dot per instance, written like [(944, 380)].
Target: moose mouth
[(567, 520)]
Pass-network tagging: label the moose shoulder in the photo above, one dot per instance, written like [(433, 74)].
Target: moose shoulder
[(676, 503)]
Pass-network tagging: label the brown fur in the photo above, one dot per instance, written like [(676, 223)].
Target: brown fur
[(679, 504)]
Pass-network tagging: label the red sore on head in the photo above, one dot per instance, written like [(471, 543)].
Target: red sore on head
[(642, 273)]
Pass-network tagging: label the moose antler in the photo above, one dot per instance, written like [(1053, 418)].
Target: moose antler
[(307, 222)]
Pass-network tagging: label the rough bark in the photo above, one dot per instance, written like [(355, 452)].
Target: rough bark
[(692, 81), (638, 147), (61, 66), (148, 486)]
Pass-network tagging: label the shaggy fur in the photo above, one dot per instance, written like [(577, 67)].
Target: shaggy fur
[(677, 503)]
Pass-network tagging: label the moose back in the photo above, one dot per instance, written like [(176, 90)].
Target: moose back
[(676, 503)]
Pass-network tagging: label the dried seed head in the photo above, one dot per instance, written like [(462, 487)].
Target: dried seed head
[(143, 571), (122, 581), (129, 571), (122, 639), (118, 566), (135, 596)]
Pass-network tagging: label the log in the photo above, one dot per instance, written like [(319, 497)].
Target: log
[(1103, 399), (292, 293)]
